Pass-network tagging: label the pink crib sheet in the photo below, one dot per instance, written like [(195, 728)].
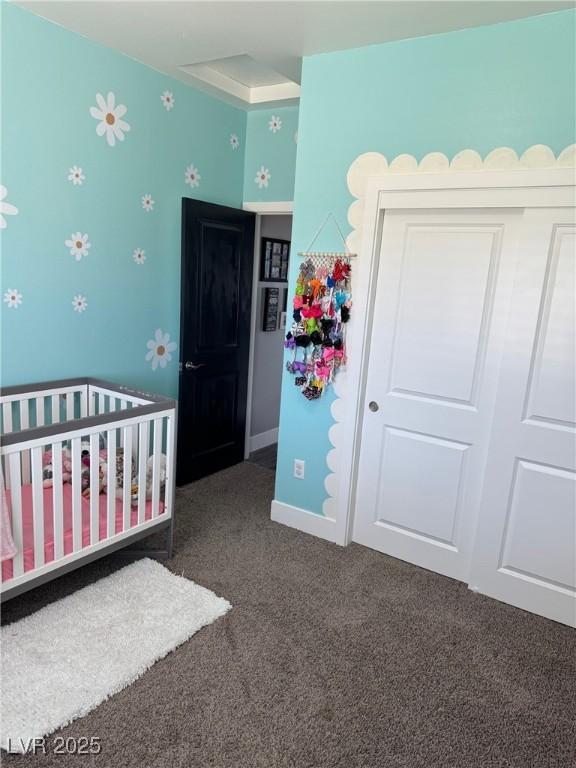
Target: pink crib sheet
[(28, 524)]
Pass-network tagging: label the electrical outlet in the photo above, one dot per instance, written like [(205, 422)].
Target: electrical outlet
[(299, 465)]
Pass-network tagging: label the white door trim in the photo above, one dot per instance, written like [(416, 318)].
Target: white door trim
[(260, 209), (278, 208), (548, 187)]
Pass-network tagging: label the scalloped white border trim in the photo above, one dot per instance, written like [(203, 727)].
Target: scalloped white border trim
[(375, 164)]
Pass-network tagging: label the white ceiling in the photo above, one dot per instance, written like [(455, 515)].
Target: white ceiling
[(173, 35)]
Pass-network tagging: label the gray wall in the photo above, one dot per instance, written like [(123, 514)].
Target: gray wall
[(268, 347)]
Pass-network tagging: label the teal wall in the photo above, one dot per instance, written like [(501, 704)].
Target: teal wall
[(507, 85), (50, 79), (271, 144)]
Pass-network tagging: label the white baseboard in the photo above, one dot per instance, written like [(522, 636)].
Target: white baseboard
[(263, 439), (315, 525)]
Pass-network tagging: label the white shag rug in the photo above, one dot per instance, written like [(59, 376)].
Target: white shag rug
[(62, 661)]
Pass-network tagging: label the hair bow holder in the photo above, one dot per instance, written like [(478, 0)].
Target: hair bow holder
[(322, 302)]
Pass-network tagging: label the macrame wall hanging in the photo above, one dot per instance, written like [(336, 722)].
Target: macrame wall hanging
[(322, 302)]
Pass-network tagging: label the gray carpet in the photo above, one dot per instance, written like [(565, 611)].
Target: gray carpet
[(330, 658)]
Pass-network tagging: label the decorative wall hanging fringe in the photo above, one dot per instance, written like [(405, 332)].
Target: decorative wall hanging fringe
[(322, 303)]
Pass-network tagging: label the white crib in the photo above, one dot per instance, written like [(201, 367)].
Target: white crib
[(118, 442)]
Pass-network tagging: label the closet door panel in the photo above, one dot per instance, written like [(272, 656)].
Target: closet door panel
[(441, 305), (525, 550)]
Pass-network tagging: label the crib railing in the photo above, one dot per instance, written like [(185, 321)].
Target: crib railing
[(55, 404), (61, 418), (22, 411)]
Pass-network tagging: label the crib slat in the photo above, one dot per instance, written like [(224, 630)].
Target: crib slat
[(101, 403), (119, 405), (7, 418), (111, 483), (142, 459), (94, 487), (156, 467), (24, 424), (135, 443), (37, 507), (24, 414), (40, 418), (57, 501), (55, 409), (169, 464), (76, 495), (84, 402), (126, 496), (5, 467), (6, 429), (17, 528), (69, 397)]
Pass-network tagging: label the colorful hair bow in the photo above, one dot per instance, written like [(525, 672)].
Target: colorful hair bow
[(330, 353), (314, 311), (340, 299), (315, 286), (341, 270), (323, 371)]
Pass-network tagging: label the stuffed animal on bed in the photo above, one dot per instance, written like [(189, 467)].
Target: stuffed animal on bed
[(120, 472), (149, 471), (48, 468)]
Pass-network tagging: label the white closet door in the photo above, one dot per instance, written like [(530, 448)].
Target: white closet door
[(525, 551), (441, 305)]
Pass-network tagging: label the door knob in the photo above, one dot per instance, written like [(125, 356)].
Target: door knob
[(373, 405), (190, 366)]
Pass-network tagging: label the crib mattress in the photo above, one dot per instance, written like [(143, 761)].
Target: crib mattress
[(28, 525)]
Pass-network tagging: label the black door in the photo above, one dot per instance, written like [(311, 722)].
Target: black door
[(217, 255)]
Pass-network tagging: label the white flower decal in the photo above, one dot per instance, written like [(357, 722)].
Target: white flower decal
[(5, 208), (263, 176), (148, 203), (234, 141), (168, 100), (13, 298), (192, 176), (159, 349), (139, 256), (275, 124), (78, 245), (76, 175), (110, 116), (79, 303)]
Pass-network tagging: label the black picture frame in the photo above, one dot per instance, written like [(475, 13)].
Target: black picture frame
[(274, 260), (271, 306)]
